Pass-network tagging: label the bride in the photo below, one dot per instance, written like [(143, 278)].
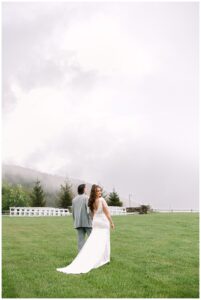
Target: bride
[(96, 250)]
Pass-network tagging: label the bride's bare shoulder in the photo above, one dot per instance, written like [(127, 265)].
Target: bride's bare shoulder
[(103, 200)]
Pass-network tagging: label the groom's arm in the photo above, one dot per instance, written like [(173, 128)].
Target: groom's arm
[(87, 207)]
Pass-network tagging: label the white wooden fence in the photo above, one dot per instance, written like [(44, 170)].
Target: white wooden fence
[(117, 210), (38, 211), (51, 211)]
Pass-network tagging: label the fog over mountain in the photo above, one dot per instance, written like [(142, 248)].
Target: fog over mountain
[(106, 93), (50, 183)]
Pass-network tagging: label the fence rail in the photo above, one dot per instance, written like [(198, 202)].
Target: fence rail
[(38, 211), (117, 210), (176, 210), (51, 211)]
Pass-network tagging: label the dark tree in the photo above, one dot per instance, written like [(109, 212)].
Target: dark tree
[(144, 209), (65, 195), (37, 195), (114, 199)]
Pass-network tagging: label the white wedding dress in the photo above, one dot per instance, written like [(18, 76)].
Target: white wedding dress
[(96, 250)]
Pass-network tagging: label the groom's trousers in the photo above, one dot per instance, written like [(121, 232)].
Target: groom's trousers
[(82, 231)]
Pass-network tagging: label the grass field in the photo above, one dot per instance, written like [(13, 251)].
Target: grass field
[(152, 256)]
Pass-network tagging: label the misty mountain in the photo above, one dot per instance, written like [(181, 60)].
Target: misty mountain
[(51, 183), (14, 174)]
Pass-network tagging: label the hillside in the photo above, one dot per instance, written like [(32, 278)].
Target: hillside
[(26, 177), (51, 183)]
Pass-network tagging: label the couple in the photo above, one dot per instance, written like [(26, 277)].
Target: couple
[(90, 216)]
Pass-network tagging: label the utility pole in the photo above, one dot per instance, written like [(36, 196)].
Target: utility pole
[(129, 198)]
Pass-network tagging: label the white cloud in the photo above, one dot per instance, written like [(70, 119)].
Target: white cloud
[(101, 44), (104, 92)]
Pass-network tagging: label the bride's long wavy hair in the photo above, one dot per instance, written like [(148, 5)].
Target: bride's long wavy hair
[(93, 196)]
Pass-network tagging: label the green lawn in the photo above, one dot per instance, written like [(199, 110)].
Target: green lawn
[(152, 256)]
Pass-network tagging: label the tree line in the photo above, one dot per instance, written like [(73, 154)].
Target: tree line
[(19, 196)]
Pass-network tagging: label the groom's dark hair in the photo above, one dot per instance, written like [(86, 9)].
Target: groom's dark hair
[(81, 188)]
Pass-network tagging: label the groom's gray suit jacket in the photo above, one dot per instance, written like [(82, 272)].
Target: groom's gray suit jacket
[(81, 216)]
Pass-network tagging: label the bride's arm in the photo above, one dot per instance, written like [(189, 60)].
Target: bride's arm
[(107, 212)]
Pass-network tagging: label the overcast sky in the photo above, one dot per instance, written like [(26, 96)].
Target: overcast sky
[(106, 93)]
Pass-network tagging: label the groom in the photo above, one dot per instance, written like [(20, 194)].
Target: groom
[(81, 217)]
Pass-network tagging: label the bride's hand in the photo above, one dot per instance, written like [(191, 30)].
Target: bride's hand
[(112, 225)]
